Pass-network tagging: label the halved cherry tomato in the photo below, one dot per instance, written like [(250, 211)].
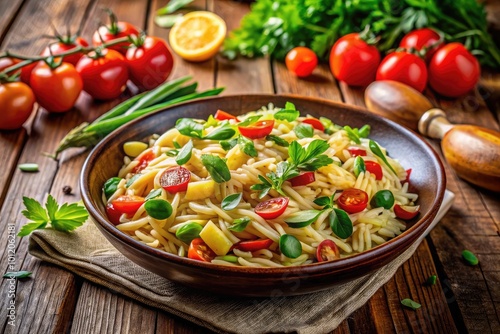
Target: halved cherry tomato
[(113, 214), (254, 245), (221, 115), (272, 208), (406, 212), (353, 200), (302, 179), (327, 251), (374, 168), (356, 151), (257, 130), (128, 204), (408, 174), (199, 250), (175, 179), (144, 160), (64, 44), (301, 61), (315, 123)]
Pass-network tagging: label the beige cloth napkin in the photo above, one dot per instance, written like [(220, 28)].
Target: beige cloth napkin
[(88, 254)]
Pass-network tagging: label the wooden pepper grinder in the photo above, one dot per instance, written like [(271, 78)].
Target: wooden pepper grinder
[(472, 151)]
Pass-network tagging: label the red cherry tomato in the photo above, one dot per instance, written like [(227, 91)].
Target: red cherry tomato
[(113, 214), (353, 61), (301, 61), (422, 38), (272, 208), (116, 29), (302, 179), (127, 204), (199, 250), (104, 78), (7, 62), (453, 70), (315, 123), (56, 89), (149, 64), (254, 245), (327, 251), (65, 45), (26, 72), (374, 168), (356, 151), (16, 104), (221, 115), (353, 200), (408, 174), (257, 130), (404, 67), (144, 160), (175, 179), (406, 212)]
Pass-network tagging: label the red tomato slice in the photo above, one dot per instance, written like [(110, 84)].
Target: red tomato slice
[(175, 179), (315, 123), (128, 204), (353, 200), (406, 212), (199, 250), (327, 251), (221, 115), (356, 151), (303, 179), (257, 130), (113, 214), (144, 160), (272, 208), (374, 168), (254, 245), (408, 174)]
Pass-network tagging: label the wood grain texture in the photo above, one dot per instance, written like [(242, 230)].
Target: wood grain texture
[(9, 10)]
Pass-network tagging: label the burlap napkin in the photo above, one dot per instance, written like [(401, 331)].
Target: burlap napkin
[(87, 253)]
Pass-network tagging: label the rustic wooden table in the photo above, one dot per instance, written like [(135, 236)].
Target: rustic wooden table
[(56, 301)]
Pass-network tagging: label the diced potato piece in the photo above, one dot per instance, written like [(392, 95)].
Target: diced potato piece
[(236, 158), (200, 190), (134, 148), (216, 239)]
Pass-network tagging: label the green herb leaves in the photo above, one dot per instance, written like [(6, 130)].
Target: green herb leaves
[(247, 146), (230, 202), (216, 167), (110, 186), (191, 128), (239, 224), (302, 218), (356, 134), (470, 258), (290, 246), (289, 114), (158, 208), (410, 304), (303, 130), (340, 223), (186, 233), (62, 218), (184, 154), (378, 152)]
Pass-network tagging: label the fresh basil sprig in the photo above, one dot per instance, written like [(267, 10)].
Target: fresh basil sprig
[(216, 167), (302, 218), (340, 223), (290, 113), (239, 224), (378, 152), (303, 130), (184, 154), (231, 201), (277, 140)]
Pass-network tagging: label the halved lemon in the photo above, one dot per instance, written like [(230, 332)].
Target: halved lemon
[(197, 36)]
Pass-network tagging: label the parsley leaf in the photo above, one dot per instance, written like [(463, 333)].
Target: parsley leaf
[(62, 218)]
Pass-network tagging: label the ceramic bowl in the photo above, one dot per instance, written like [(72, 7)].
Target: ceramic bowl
[(410, 149)]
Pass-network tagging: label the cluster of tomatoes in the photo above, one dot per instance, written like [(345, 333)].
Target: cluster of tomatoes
[(120, 53), (422, 58)]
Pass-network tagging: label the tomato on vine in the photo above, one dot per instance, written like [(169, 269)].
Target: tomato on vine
[(104, 74), (114, 30), (56, 89), (16, 104), (149, 61), (66, 43), (422, 38)]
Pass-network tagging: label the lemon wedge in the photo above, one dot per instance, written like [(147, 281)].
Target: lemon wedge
[(198, 35)]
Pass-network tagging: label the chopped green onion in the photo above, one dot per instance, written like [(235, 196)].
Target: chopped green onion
[(28, 167)]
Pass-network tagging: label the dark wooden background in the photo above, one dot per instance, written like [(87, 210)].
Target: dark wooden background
[(56, 301)]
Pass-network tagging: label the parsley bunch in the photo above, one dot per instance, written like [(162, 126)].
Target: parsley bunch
[(306, 159)]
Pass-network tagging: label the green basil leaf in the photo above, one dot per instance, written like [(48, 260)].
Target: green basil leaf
[(17, 274), (383, 198), (186, 233), (290, 246), (231, 201), (110, 186), (340, 223), (303, 130), (239, 224), (247, 146), (185, 153), (470, 258), (352, 135), (277, 140), (364, 131), (359, 166), (189, 127), (378, 152), (221, 133), (250, 120), (410, 304), (302, 218), (153, 194), (216, 167), (228, 144), (132, 180), (289, 114), (158, 208), (315, 163), (323, 201)]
